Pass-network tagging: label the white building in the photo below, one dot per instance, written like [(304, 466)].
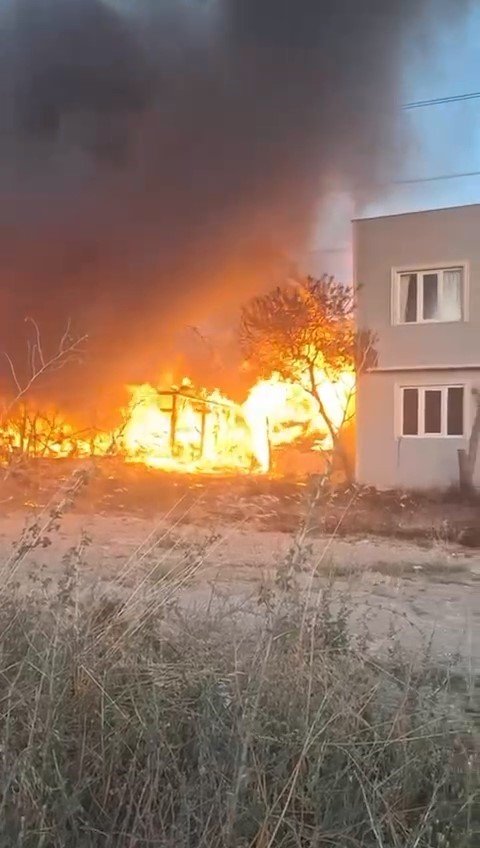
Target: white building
[(419, 278)]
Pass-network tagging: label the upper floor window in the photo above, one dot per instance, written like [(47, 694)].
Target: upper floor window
[(436, 294)]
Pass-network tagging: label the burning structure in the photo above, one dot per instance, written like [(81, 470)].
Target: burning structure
[(186, 429)]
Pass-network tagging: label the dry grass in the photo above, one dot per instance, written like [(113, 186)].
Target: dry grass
[(128, 723), (130, 731)]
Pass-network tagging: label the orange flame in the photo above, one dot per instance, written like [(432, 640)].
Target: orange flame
[(192, 430)]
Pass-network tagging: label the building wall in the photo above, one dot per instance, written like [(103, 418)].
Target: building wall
[(387, 460), (421, 239)]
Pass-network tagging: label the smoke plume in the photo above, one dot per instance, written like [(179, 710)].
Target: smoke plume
[(161, 157)]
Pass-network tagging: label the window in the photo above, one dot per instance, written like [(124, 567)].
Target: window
[(410, 412), (431, 295), (432, 411)]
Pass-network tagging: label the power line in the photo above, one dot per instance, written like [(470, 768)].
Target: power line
[(438, 101), (438, 177)]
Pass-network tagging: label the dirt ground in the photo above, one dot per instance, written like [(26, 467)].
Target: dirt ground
[(226, 541), (273, 503)]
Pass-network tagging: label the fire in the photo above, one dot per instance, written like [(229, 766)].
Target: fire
[(280, 413), (187, 429)]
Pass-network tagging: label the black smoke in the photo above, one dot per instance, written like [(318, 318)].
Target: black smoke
[(159, 157)]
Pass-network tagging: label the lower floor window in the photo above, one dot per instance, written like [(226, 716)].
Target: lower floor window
[(432, 411)]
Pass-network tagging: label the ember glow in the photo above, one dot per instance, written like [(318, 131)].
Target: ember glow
[(187, 429)]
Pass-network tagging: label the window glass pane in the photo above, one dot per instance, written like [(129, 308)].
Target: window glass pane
[(433, 411), (455, 411), (410, 412), (452, 295), (430, 296), (408, 297)]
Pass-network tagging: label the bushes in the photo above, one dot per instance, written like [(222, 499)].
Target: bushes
[(185, 732)]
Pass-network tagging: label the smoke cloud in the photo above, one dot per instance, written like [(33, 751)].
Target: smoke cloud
[(161, 157)]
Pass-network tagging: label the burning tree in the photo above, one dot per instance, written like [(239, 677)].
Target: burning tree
[(305, 332)]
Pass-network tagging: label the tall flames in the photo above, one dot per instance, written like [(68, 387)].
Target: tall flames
[(187, 429)]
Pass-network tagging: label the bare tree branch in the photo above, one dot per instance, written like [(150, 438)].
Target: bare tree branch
[(37, 347), (39, 365), (13, 372)]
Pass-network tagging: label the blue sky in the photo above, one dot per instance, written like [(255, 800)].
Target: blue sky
[(441, 139)]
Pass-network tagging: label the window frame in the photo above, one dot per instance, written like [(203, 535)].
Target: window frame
[(422, 389), (421, 271)]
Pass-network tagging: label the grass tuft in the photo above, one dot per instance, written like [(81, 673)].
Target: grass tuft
[(178, 731)]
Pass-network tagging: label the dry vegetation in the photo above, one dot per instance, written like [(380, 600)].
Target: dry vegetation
[(273, 503), (151, 728), (129, 722)]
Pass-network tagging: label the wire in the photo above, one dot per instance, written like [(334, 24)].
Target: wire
[(434, 179), (438, 101)]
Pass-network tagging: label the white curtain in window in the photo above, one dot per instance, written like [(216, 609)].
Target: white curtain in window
[(408, 297), (404, 280), (452, 295)]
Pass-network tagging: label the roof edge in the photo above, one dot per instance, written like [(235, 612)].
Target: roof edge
[(416, 212)]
